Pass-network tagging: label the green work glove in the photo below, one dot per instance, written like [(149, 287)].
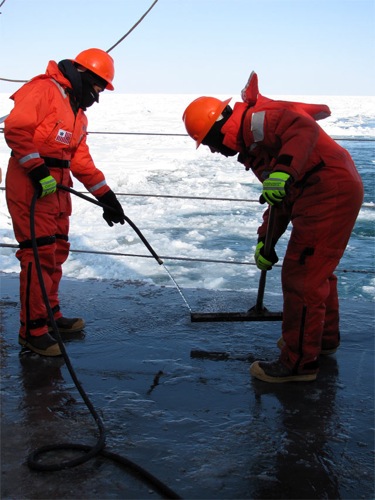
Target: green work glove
[(48, 186), (275, 187), (43, 181), (264, 263)]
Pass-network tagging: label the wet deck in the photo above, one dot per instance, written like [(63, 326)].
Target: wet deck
[(203, 427)]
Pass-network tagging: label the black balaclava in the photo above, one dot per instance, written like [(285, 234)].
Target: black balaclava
[(83, 94), (69, 70), (215, 137), (89, 94)]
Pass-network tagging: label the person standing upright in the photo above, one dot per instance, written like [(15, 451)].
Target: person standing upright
[(46, 132)]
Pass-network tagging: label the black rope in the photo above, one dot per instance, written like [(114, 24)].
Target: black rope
[(130, 222), (98, 448), (33, 464), (134, 468)]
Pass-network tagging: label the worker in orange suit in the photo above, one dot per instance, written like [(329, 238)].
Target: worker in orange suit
[(46, 132), (314, 184)]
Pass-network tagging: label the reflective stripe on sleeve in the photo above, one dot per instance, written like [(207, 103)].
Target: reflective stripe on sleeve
[(26, 158), (257, 125), (97, 186)]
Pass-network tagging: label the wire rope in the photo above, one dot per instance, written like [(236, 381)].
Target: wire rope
[(204, 198), (187, 259), (131, 29), (334, 137), (176, 134), (108, 50)]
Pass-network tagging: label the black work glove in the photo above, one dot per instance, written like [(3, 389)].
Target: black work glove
[(43, 181), (116, 215)]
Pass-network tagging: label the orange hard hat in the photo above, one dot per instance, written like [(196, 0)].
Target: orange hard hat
[(99, 62), (200, 116)]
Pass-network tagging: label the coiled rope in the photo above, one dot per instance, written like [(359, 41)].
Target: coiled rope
[(98, 448)]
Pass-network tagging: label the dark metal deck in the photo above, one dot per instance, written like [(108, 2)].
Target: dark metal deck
[(203, 427)]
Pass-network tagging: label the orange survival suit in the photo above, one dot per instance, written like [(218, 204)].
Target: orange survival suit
[(322, 204), (44, 129)]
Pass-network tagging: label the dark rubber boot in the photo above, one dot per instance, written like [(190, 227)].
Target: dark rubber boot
[(68, 325), (45, 345), (276, 372)]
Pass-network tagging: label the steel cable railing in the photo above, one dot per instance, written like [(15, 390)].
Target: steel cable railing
[(188, 197), (185, 259), (175, 134), (204, 198)]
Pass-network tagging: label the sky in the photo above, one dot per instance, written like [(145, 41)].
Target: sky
[(207, 47)]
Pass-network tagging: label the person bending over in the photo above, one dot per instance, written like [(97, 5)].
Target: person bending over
[(312, 183)]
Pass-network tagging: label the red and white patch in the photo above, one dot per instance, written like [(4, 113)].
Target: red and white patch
[(63, 136)]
